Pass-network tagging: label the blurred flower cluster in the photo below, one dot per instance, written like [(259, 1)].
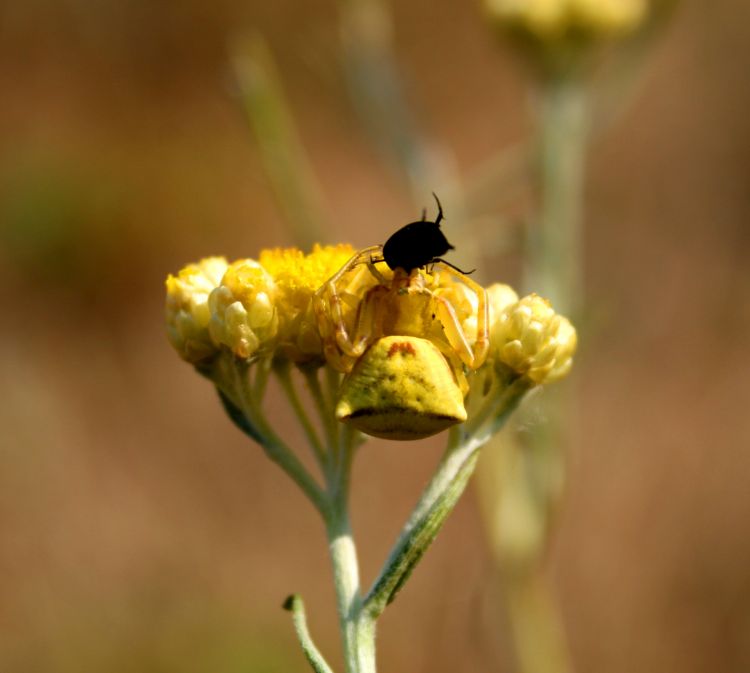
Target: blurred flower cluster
[(556, 19), (560, 36)]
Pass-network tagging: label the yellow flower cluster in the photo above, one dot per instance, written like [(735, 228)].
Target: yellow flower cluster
[(250, 307), (555, 20), (533, 340), (260, 307)]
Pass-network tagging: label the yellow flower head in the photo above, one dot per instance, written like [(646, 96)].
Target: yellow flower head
[(533, 340), (243, 311), (297, 277), (187, 309), (557, 21)]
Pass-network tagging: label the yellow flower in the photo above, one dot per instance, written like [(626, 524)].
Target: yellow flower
[(558, 20), (187, 309), (297, 277), (533, 340), (243, 312)]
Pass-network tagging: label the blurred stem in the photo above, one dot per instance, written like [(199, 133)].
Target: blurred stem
[(554, 270), (515, 492), (537, 632), (376, 87), (284, 158), (554, 241)]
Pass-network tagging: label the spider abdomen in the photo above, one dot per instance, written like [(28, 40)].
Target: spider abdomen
[(401, 388)]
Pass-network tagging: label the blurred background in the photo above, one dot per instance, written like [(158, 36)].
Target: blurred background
[(141, 532)]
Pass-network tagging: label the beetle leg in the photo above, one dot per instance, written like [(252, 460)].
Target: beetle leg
[(374, 270)]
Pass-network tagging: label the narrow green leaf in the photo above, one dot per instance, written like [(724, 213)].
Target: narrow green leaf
[(239, 419), (295, 605)]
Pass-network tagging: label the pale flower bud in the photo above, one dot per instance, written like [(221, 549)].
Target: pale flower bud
[(187, 309), (533, 340), (499, 296), (243, 312)]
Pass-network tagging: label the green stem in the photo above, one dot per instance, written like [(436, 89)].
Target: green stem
[(284, 374), (273, 446), (357, 629), (325, 411)]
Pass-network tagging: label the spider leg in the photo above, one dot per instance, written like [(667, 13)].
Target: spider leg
[(368, 323), (453, 331), (482, 342), (359, 258), (328, 303)]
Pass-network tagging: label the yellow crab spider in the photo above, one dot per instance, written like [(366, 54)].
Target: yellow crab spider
[(399, 340)]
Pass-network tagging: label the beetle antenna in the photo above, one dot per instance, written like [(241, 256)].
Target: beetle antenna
[(424, 214), (453, 266), (440, 209)]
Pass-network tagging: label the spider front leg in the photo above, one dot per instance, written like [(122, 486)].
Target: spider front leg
[(364, 256), (341, 348)]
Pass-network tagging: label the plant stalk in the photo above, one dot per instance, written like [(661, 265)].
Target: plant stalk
[(357, 629)]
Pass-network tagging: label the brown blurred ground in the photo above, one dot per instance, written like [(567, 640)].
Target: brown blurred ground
[(140, 532)]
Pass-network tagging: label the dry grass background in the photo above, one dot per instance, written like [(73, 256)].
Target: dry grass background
[(139, 532)]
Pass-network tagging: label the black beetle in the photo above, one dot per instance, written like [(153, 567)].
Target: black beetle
[(417, 244)]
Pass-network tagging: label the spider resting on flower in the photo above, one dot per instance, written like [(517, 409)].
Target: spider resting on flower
[(394, 319)]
